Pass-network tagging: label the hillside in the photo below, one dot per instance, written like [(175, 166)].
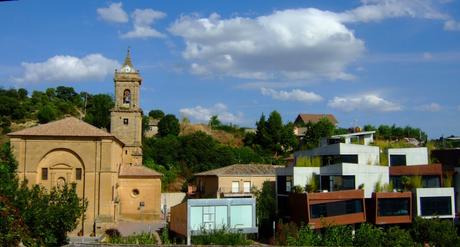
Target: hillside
[(223, 137)]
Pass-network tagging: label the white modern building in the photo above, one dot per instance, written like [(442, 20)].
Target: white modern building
[(339, 166), (435, 202), (408, 156)]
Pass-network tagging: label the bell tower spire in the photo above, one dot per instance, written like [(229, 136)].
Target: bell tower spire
[(128, 59), (126, 116)]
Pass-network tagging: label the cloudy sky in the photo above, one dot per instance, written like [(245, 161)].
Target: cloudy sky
[(368, 61)]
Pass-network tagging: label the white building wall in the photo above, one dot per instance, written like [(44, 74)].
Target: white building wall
[(368, 175), (368, 155), (414, 156), (435, 192)]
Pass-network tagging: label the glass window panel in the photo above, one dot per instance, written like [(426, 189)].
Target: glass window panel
[(221, 217), (393, 206), (247, 187), (235, 187), (431, 182), (336, 208), (196, 218), (241, 216), (397, 160), (432, 206), (44, 173)]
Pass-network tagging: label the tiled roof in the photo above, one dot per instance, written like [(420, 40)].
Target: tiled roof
[(314, 118), (70, 126), (261, 170), (137, 171)]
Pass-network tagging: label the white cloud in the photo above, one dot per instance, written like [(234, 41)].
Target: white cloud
[(370, 102), (293, 95), (143, 20), (68, 68), (292, 44), (203, 114), (433, 107), (452, 25), (377, 10), (113, 13)]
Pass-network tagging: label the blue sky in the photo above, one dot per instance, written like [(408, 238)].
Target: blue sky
[(366, 62)]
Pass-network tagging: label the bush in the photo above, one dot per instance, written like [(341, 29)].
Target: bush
[(396, 237), (113, 233), (338, 236), (435, 232), (220, 237), (46, 114), (368, 235), (143, 238), (286, 233), (305, 237)]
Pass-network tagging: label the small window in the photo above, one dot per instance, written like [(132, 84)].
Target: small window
[(235, 187), (125, 121), (247, 187), (78, 173), (44, 173), (135, 192), (397, 160), (126, 151)]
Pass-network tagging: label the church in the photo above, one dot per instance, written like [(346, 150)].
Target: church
[(106, 167)]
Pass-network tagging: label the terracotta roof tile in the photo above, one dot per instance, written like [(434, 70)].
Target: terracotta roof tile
[(70, 126), (262, 170), (138, 171), (314, 118)]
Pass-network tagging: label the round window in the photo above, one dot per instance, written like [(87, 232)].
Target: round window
[(135, 192)]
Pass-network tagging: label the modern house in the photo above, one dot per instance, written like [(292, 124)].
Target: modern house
[(389, 208), (322, 209), (237, 180), (338, 177), (346, 184), (195, 216), (431, 183)]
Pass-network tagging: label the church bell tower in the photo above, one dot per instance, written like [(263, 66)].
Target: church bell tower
[(126, 116)]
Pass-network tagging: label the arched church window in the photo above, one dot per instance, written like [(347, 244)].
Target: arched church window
[(126, 96)]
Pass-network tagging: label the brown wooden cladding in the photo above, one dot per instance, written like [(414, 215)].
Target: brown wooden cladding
[(299, 205), (418, 170), (372, 208)]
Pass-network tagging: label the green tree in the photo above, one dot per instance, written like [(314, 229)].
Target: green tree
[(156, 114), (168, 125), (214, 122), (47, 113), (33, 215), (397, 237), (435, 232), (316, 131), (340, 235), (368, 235), (22, 94), (98, 110), (266, 208)]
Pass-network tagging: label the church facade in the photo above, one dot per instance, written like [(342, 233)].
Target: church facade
[(106, 167)]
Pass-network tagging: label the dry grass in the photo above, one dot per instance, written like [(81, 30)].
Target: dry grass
[(221, 136)]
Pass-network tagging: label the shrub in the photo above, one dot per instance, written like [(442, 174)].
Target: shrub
[(285, 233), (112, 233), (338, 236), (220, 237), (368, 235), (305, 237), (435, 232), (143, 238), (397, 237)]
